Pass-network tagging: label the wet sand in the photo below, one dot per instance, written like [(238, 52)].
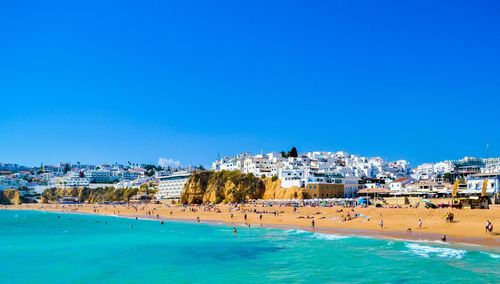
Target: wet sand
[(467, 228)]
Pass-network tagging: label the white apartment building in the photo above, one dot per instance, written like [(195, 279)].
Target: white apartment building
[(232, 165), (443, 167), (491, 165), (291, 177), (475, 183), (351, 186), (258, 166), (400, 184), (128, 175), (100, 176), (71, 181), (171, 187)]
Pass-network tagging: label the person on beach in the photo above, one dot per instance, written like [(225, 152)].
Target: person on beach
[(245, 217), (260, 217), (232, 215), (490, 228), (381, 224), (487, 226), (420, 223), (198, 219), (443, 239), (313, 224)]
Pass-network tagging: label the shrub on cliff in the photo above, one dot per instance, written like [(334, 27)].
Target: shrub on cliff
[(89, 195)]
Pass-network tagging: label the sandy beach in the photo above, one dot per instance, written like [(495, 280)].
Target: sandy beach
[(467, 228)]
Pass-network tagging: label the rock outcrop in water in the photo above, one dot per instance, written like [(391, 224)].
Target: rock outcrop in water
[(233, 186), (89, 195)]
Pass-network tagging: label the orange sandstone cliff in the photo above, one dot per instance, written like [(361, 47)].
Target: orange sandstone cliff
[(234, 186)]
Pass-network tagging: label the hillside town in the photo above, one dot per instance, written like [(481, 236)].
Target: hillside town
[(328, 174)]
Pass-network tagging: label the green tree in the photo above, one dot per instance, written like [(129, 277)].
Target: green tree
[(293, 153), (67, 168)]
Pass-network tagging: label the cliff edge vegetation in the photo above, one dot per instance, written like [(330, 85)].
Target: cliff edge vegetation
[(10, 197), (89, 195)]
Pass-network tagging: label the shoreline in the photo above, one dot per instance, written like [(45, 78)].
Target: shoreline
[(491, 244)]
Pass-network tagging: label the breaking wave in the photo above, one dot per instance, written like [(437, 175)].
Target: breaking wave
[(328, 237), (430, 251), (492, 255)]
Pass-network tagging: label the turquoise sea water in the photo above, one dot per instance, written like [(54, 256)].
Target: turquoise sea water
[(39, 247)]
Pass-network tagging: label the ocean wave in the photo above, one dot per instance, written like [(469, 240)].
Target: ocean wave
[(429, 251), (492, 255), (320, 236), (328, 237), (296, 232)]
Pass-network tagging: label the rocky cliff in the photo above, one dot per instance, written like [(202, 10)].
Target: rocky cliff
[(10, 197), (233, 186), (89, 195), (275, 191)]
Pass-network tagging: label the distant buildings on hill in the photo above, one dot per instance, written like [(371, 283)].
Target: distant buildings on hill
[(326, 174), (313, 170)]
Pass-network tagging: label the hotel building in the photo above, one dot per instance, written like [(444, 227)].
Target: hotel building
[(171, 187)]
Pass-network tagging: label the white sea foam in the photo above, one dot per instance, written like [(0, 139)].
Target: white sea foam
[(320, 236), (296, 232), (328, 237), (492, 255), (429, 251)]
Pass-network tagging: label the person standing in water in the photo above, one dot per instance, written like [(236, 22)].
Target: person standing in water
[(235, 231)]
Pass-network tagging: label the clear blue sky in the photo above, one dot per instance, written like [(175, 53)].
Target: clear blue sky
[(125, 81)]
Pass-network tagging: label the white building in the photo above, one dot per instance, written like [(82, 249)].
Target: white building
[(171, 187), (258, 166), (400, 184), (232, 165), (475, 183), (291, 177), (71, 181), (100, 176), (491, 165), (130, 174)]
